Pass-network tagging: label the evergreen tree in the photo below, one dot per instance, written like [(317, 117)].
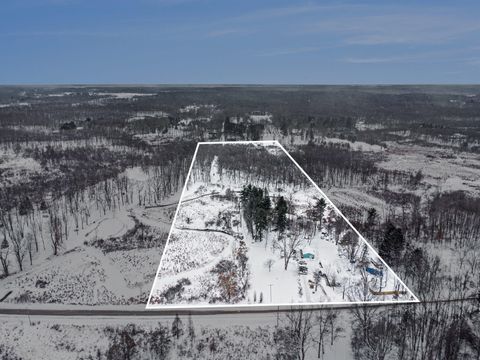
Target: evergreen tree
[(393, 244), (256, 210), (319, 210), (281, 208), (370, 223), (371, 218), (246, 198), (25, 206), (261, 216), (43, 205)]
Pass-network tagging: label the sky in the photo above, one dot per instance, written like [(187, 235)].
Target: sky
[(239, 42)]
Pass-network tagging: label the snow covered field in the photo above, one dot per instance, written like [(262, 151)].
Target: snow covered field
[(315, 260), (86, 337), (443, 169), (107, 256)]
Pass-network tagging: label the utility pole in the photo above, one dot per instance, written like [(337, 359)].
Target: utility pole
[(270, 292)]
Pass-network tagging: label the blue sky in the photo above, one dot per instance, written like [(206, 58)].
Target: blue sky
[(244, 41)]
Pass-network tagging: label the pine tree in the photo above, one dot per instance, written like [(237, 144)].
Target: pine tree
[(393, 244), (370, 222), (261, 217), (319, 211), (256, 210), (246, 198), (371, 218), (25, 206), (281, 208)]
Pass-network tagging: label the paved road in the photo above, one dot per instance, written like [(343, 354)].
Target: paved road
[(144, 313), (207, 311)]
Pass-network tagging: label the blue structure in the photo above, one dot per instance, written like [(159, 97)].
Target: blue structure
[(308, 254), (374, 272)]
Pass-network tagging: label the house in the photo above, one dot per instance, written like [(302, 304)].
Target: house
[(307, 253)]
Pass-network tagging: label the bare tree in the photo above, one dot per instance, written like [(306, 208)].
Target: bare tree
[(326, 321), (15, 229), (55, 227), (376, 340), (350, 243), (294, 337), (301, 324), (289, 243), (269, 263), (4, 251)]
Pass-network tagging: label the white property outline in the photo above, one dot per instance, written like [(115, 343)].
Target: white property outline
[(291, 305)]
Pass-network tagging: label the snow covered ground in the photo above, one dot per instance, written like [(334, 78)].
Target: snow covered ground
[(443, 169), (196, 107), (101, 260), (15, 104), (14, 167), (84, 337), (122, 95), (142, 115), (337, 271)]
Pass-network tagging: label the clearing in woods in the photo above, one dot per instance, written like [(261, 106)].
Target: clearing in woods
[(252, 228)]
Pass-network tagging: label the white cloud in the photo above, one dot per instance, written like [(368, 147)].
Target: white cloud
[(406, 27), (228, 31), (458, 55), (279, 52)]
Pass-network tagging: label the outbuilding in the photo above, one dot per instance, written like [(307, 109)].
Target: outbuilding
[(308, 253)]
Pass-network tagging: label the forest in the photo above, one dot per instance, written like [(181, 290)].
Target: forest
[(249, 221), (90, 178)]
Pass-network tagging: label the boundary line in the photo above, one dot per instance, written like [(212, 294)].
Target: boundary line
[(348, 222), (173, 222), (292, 306)]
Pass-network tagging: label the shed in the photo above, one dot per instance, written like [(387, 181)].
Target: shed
[(308, 253)]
